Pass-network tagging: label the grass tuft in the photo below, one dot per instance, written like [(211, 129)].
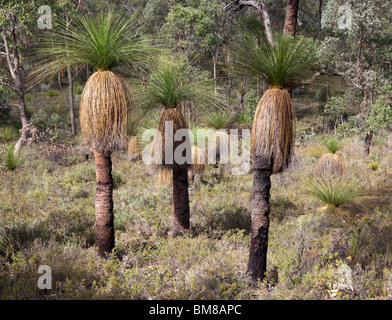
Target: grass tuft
[(332, 144), (333, 192), (12, 160)]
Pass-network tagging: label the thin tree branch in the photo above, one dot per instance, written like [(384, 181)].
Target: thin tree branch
[(237, 5), (9, 86), (7, 54)]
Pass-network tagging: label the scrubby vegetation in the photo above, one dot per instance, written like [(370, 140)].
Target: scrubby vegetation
[(47, 218), (317, 98)]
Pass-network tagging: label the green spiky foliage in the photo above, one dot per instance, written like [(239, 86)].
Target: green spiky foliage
[(332, 144), (280, 65), (169, 85), (106, 42), (220, 118), (167, 88), (113, 46), (334, 192)]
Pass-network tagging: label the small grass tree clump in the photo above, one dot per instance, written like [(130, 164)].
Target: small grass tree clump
[(280, 65), (333, 192), (331, 163), (12, 160), (112, 44)]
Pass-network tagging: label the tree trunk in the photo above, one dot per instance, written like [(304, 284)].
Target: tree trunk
[(214, 66), (104, 218), (237, 5), (319, 16), (180, 201), (257, 265), (242, 93), (290, 23), (368, 141), (258, 88), (267, 22), (23, 118), (228, 94), (71, 101), (59, 79), (13, 64), (70, 82)]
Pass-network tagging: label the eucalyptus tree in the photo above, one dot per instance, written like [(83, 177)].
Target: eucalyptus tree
[(199, 30), (273, 132), (113, 45), (356, 45), (16, 20)]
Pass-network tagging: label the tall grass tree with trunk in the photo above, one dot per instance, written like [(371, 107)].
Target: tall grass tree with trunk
[(114, 46), (280, 65), (168, 87)]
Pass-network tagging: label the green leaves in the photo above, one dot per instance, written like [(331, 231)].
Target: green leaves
[(333, 192), (169, 85), (332, 144), (380, 116), (220, 119), (105, 42), (282, 64), (197, 29)]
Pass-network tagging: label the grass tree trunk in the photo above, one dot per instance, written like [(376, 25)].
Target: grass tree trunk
[(368, 141), (181, 210), (257, 265), (104, 218)]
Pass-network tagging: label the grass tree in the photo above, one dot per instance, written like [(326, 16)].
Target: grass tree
[(168, 87), (331, 163), (112, 45), (220, 121), (280, 65), (334, 192)]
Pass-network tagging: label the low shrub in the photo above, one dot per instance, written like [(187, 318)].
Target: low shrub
[(12, 160), (333, 192)]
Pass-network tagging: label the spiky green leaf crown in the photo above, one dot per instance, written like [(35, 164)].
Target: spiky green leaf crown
[(105, 42), (170, 84), (281, 64)]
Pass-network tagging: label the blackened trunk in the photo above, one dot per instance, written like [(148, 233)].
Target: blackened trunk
[(368, 141), (180, 201), (104, 218), (257, 265)]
